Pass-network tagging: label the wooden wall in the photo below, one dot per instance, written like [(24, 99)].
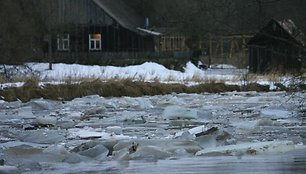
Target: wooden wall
[(225, 50), (278, 57), (79, 18)]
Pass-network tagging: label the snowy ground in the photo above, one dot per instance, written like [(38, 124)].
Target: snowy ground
[(236, 132), (146, 72)]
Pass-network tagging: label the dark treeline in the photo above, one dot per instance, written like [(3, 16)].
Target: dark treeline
[(21, 30), (22, 26)]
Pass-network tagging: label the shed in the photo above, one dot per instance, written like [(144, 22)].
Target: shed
[(276, 47)]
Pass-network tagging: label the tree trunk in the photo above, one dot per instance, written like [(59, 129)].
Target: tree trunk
[(50, 51)]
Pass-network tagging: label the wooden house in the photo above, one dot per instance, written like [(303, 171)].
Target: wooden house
[(82, 29), (276, 47)]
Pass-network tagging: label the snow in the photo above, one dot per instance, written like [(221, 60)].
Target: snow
[(7, 85), (148, 72), (222, 66)]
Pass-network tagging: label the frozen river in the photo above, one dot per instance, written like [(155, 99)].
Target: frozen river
[(236, 132)]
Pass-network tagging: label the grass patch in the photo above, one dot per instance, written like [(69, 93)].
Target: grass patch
[(113, 88)]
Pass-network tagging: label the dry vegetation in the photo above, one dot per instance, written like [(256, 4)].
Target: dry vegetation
[(112, 88), (72, 88)]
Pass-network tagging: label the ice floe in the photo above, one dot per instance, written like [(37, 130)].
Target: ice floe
[(177, 113), (251, 148)]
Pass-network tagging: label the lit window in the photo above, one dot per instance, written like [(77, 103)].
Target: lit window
[(95, 42), (63, 42)]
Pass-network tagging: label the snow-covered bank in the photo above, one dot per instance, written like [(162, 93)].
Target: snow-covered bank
[(147, 72)]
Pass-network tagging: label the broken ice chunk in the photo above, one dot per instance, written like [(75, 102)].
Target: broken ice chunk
[(114, 129), (150, 152), (277, 113), (95, 111), (43, 136), (94, 150), (42, 105), (56, 153), (177, 112), (26, 112), (144, 103), (197, 131), (46, 120), (8, 169), (251, 148), (86, 133), (90, 133)]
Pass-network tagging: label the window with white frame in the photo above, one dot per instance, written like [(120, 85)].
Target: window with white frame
[(95, 42), (63, 43)]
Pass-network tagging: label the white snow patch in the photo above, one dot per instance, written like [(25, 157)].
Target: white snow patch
[(222, 66), (9, 85), (148, 71)]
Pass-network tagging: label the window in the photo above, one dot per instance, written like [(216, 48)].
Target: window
[(63, 42), (95, 42)]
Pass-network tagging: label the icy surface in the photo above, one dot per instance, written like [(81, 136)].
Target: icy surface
[(177, 113), (94, 134), (251, 148)]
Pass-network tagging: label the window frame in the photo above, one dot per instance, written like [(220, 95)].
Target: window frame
[(97, 42), (63, 40)]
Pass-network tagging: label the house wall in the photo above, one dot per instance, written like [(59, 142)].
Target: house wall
[(227, 49), (172, 42), (79, 18), (113, 39), (278, 57)]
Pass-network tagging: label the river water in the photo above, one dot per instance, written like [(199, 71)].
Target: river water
[(235, 132)]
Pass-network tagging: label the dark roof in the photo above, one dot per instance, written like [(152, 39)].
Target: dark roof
[(122, 13), (285, 31), (293, 30)]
